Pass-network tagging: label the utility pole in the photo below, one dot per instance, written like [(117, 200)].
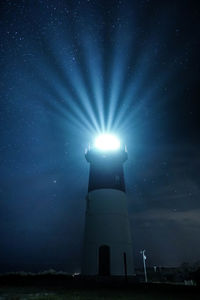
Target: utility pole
[(144, 263)]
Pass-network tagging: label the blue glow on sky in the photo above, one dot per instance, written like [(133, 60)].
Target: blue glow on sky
[(72, 70)]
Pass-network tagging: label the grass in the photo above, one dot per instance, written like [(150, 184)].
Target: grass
[(56, 293)]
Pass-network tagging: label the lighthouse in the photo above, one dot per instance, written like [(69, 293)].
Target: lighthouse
[(107, 249)]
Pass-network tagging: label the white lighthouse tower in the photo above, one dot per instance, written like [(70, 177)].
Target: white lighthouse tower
[(107, 246)]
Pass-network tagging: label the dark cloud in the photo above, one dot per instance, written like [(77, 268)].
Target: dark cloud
[(169, 236), (171, 181)]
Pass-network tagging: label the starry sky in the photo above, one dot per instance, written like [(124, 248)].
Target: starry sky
[(71, 69)]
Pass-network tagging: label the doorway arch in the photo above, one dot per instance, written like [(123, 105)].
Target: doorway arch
[(104, 260)]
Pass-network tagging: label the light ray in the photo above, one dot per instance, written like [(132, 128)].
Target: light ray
[(93, 60)]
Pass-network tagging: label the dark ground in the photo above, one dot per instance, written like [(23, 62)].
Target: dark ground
[(62, 287)]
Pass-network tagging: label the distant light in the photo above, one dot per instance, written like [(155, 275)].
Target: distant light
[(75, 274), (107, 142)]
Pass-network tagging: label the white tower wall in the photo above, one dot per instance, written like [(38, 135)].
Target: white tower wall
[(107, 224)]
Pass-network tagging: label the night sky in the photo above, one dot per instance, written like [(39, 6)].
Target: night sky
[(71, 69)]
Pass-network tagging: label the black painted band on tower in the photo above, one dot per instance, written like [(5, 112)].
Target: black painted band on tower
[(106, 170)]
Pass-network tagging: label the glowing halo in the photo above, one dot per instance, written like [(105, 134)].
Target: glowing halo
[(107, 142)]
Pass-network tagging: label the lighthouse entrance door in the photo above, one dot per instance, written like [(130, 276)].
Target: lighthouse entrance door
[(104, 260)]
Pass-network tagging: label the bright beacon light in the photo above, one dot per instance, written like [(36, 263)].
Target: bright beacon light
[(107, 142)]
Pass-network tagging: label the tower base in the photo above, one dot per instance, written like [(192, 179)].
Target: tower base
[(108, 247)]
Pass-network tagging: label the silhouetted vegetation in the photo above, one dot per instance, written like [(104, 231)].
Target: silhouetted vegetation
[(63, 286)]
